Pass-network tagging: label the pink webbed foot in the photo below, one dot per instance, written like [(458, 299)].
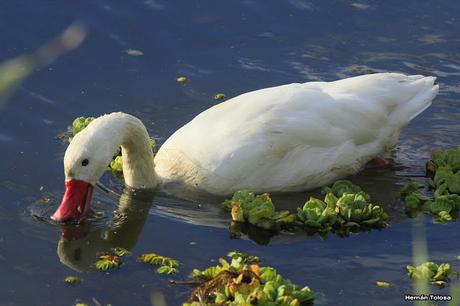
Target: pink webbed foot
[(377, 162)]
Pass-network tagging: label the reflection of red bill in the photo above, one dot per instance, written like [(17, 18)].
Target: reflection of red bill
[(76, 201)]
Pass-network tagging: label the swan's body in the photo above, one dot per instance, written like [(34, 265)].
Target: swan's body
[(286, 138), (293, 137)]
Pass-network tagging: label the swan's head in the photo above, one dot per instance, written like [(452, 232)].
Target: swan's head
[(85, 160)]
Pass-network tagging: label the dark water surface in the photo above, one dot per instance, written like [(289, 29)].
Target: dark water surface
[(230, 47)]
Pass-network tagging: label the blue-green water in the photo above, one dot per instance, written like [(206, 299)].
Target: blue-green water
[(230, 47)]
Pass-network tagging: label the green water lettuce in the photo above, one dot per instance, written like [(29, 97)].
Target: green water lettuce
[(410, 188), (356, 211), (245, 258), (240, 283), (345, 206), (443, 205), (430, 272), (342, 186), (257, 210), (318, 214), (79, 124)]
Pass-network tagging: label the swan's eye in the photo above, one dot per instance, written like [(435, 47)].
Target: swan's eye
[(85, 162)]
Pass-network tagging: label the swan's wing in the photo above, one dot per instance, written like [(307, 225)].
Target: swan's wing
[(271, 136)]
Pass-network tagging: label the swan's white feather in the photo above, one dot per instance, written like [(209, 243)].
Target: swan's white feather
[(293, 137)]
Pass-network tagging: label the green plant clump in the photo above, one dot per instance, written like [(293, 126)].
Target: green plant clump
[(242, 283), (116, 165), (345, 206), (166, 265), (431, 273), (257, 210), (72, 280), (444, 169), (108, 262)]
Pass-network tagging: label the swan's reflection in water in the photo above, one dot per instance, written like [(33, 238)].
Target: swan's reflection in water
[(79, 245)]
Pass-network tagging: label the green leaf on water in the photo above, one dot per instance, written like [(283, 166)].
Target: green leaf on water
[(166, 265), (72, 280), (108, 262), (219, 96)]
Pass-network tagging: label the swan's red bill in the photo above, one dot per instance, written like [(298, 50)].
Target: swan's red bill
[(76, 201)]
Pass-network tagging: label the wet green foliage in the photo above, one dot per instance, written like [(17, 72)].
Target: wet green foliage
[(108, 262), (245, 257), (72, 280), (242, 283), (318, 214), (116, 165), (166, 265), (257, 210), (111, 260), (430, 272), (345, 207), (219, 96), (120, 252), (340, 187), (79, 124), (444, 202)]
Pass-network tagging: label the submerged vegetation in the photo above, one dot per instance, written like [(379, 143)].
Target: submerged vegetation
[(242, 282)]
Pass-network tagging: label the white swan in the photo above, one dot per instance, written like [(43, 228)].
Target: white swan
[(287, 138)]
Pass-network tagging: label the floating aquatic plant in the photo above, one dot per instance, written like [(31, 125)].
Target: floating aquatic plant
[(118, 251), (431, 272), (355, 211), (219, 96), (445, 201), (116, 165), (318, 214), (72, 280), (340, 187), (246, 258), (108, 262), (242, 283), (345, 207), (257, 210), (79, 124), (382, 284), (166, 265)]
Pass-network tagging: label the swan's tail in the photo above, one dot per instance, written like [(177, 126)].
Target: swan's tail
[(424, 89)]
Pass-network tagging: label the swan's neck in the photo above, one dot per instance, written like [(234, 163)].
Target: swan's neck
[(130, 134)]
